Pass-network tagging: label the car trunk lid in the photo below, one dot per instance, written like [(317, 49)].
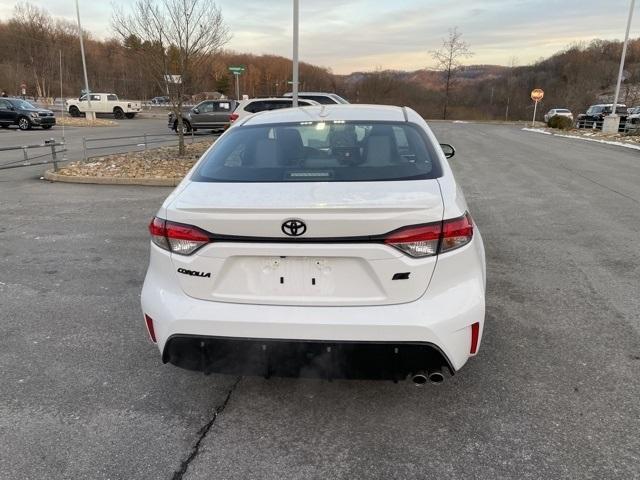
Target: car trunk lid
[(338, 260)]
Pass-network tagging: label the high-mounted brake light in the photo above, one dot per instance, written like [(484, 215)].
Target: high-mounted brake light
[(176, 237), (432, 239)]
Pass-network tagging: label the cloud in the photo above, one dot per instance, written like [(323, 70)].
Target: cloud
[(348, 35)]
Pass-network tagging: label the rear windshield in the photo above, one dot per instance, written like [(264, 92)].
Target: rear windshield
[(562, 110), (321, 152), (322, 100)]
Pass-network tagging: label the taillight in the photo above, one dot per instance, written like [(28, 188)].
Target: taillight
[(233, 117), (176, 237), (456, 233), (417, 241), (429, 240)]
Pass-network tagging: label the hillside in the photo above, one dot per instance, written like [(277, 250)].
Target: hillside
[(575, 77)]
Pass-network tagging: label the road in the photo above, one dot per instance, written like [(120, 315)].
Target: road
[(154, 127), (553, 394)]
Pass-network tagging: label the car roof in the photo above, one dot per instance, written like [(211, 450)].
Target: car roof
[(347, 112), (317, 94), (262, 99)]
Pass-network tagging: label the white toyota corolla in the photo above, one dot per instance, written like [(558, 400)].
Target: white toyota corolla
[(330, 240)]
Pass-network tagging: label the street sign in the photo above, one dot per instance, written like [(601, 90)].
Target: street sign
[(237, 71), (537, 94), (174, 79)]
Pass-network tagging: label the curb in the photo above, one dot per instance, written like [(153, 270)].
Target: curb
[(148, 182), (585, 139)]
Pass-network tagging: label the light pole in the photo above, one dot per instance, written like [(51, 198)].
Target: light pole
[(90, 114), (296, 23), (624, 53), (612, 125)]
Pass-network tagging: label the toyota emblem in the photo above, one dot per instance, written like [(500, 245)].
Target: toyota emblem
[(294, 228)]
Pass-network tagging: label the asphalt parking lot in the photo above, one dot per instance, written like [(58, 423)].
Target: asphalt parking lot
[(553, 393)]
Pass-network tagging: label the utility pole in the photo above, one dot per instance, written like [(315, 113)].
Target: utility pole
[(624, 55), (612, 122), (90, 114), (296, 66), (62, 103)]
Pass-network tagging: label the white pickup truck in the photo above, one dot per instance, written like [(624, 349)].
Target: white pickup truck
[(103, 103)]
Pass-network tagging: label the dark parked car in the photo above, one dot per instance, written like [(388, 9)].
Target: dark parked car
[(15, 111), (160, 100), (595, 114), (207, 115)]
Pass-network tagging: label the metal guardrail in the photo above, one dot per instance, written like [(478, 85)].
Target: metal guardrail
[(144, 140), (597, 125), (27, 161)]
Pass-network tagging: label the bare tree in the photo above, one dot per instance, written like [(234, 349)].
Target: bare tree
[(37, 32), (510, 81), (448, 60), (176, 36)]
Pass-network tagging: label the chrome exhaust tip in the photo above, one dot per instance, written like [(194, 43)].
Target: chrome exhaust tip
[(436, 376), (419, 379)]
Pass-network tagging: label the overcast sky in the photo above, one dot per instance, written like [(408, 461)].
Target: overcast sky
[(361, 35)]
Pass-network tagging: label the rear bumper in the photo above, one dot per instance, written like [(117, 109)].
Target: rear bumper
[(441, 319), (293, 358)]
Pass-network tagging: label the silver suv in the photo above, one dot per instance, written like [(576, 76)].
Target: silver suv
[(208, 115)]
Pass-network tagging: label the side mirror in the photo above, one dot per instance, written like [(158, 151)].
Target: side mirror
[(448, 150), (196, 110)]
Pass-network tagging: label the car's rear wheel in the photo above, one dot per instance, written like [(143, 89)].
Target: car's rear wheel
[(73, 111), (24, 123), (129, 115), (118, 113)]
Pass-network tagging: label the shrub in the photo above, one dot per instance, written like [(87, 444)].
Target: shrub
[(563, 123)]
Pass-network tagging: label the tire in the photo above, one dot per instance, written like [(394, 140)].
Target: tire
[(129, 115), (118, 113), (73, 111), (24, 123), (46, 127), (186, 127)]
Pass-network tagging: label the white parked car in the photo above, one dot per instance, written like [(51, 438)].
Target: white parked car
[(255, 105), (320, 97), (105, 103), (633, 119), (560, 112), (328, 240)]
